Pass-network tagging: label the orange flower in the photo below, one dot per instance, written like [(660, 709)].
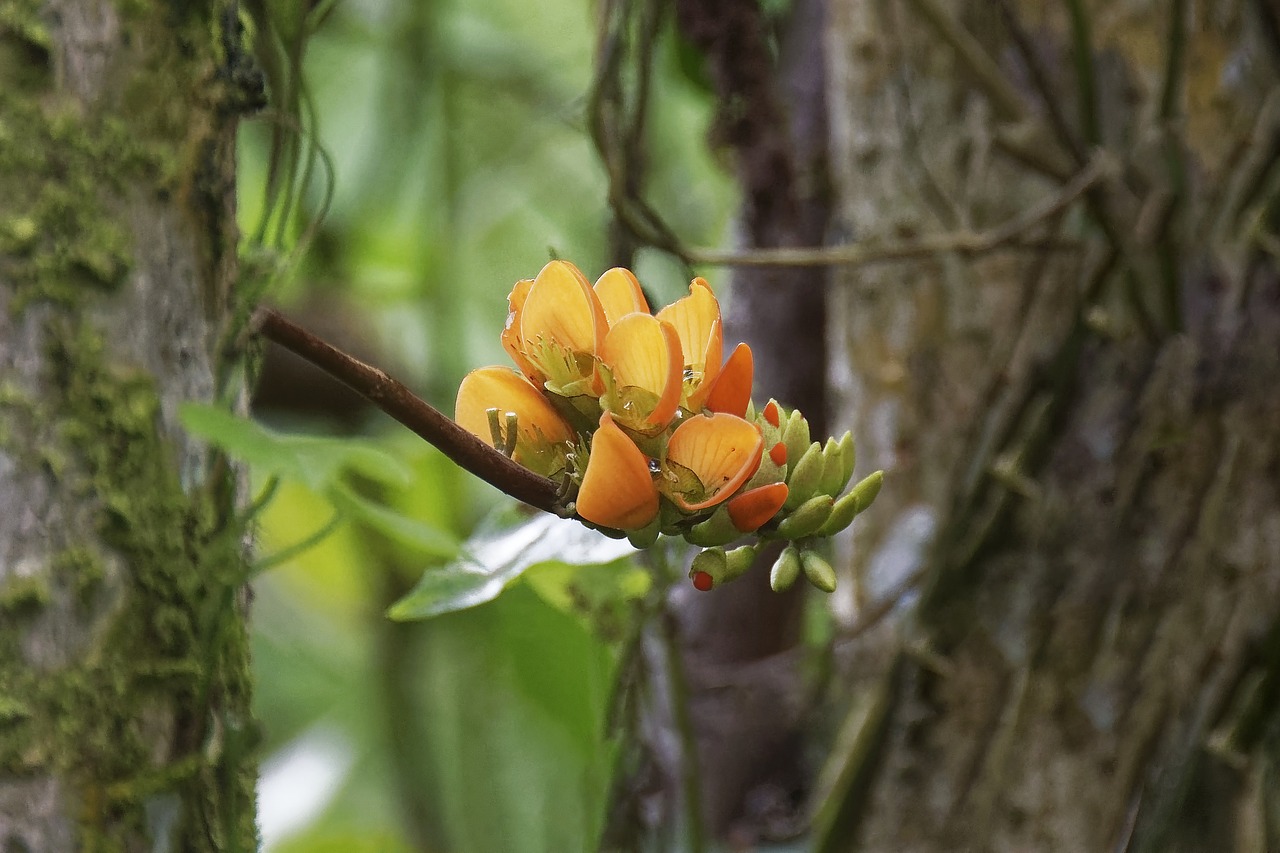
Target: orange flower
[(617, 488), (543, 437), (619, 293), (555, 330), (642, 354), (696, 318), (709, 457)]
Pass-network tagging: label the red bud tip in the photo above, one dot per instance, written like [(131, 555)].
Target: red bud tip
[(771, 413), (703, 581), (778, 453)]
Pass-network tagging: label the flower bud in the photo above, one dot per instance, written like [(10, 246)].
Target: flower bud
[(818, 571), (805, 477), (785, 569), (807, 518)]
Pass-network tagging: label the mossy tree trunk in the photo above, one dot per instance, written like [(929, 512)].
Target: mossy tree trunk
[(124, 683), (1080, 436)]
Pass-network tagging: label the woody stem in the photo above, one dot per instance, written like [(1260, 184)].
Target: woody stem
[(394, 398)]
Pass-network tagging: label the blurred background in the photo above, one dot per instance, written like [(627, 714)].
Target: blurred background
[(418, 159)]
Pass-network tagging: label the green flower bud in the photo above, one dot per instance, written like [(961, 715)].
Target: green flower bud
[(832, 468), (848, 458), (785, 569), (738, 561), (807, 518), (818, 571), (805, 477), (841, 515), (795, 435), (867, 489), (711, 561)]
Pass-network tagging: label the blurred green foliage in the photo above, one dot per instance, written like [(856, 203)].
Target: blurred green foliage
[(455, 162)]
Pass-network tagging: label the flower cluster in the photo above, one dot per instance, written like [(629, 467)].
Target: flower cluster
[(650, 429)]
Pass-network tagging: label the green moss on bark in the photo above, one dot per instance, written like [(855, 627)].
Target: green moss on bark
[(175, 654), (156, 711)]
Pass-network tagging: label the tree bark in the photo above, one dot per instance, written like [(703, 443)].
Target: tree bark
[(1080, 440), (124, 683)]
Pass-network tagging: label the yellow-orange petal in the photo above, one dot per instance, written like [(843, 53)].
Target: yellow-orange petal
[(730, 391), (510, 336), (696, 318), (561, 308), (617, 489), (537, 422), (644, 352), (620, 294), (751, 509), (721, 450)]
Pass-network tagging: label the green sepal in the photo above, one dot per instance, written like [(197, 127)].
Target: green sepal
[(645, 536), (716, 530)]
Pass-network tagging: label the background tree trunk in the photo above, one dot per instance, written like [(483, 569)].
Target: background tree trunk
[(1080, 439), (124, 683)]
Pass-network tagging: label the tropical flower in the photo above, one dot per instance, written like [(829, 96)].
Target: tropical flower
[(651, 430), (543, 438)]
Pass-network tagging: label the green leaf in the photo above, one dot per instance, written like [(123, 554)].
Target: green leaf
[(316, 461), (493, 562), (427, 538)]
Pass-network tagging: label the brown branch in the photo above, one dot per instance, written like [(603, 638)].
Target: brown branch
[(1009, 234), (413, 412)]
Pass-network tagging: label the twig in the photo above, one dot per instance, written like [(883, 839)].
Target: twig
[(413, 412), (1008, 233)]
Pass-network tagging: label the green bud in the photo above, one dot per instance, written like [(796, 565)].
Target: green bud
[(805, 477), (738, 561), (848, 458), (818, 571), (867, 489), (832, 468), (645, 536), (841, 515), (807, 518), (795, 435), (712, 561), (716, 530), (785, 569)]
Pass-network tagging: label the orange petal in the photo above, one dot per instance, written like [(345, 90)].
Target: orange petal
[(778, 453), (730, 391), (721, 450), (511, 333), (644, 352), (749, 510), (501, 388), (697, 321), (617, 489), (561, 308), (620, 294), (771, 414)]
